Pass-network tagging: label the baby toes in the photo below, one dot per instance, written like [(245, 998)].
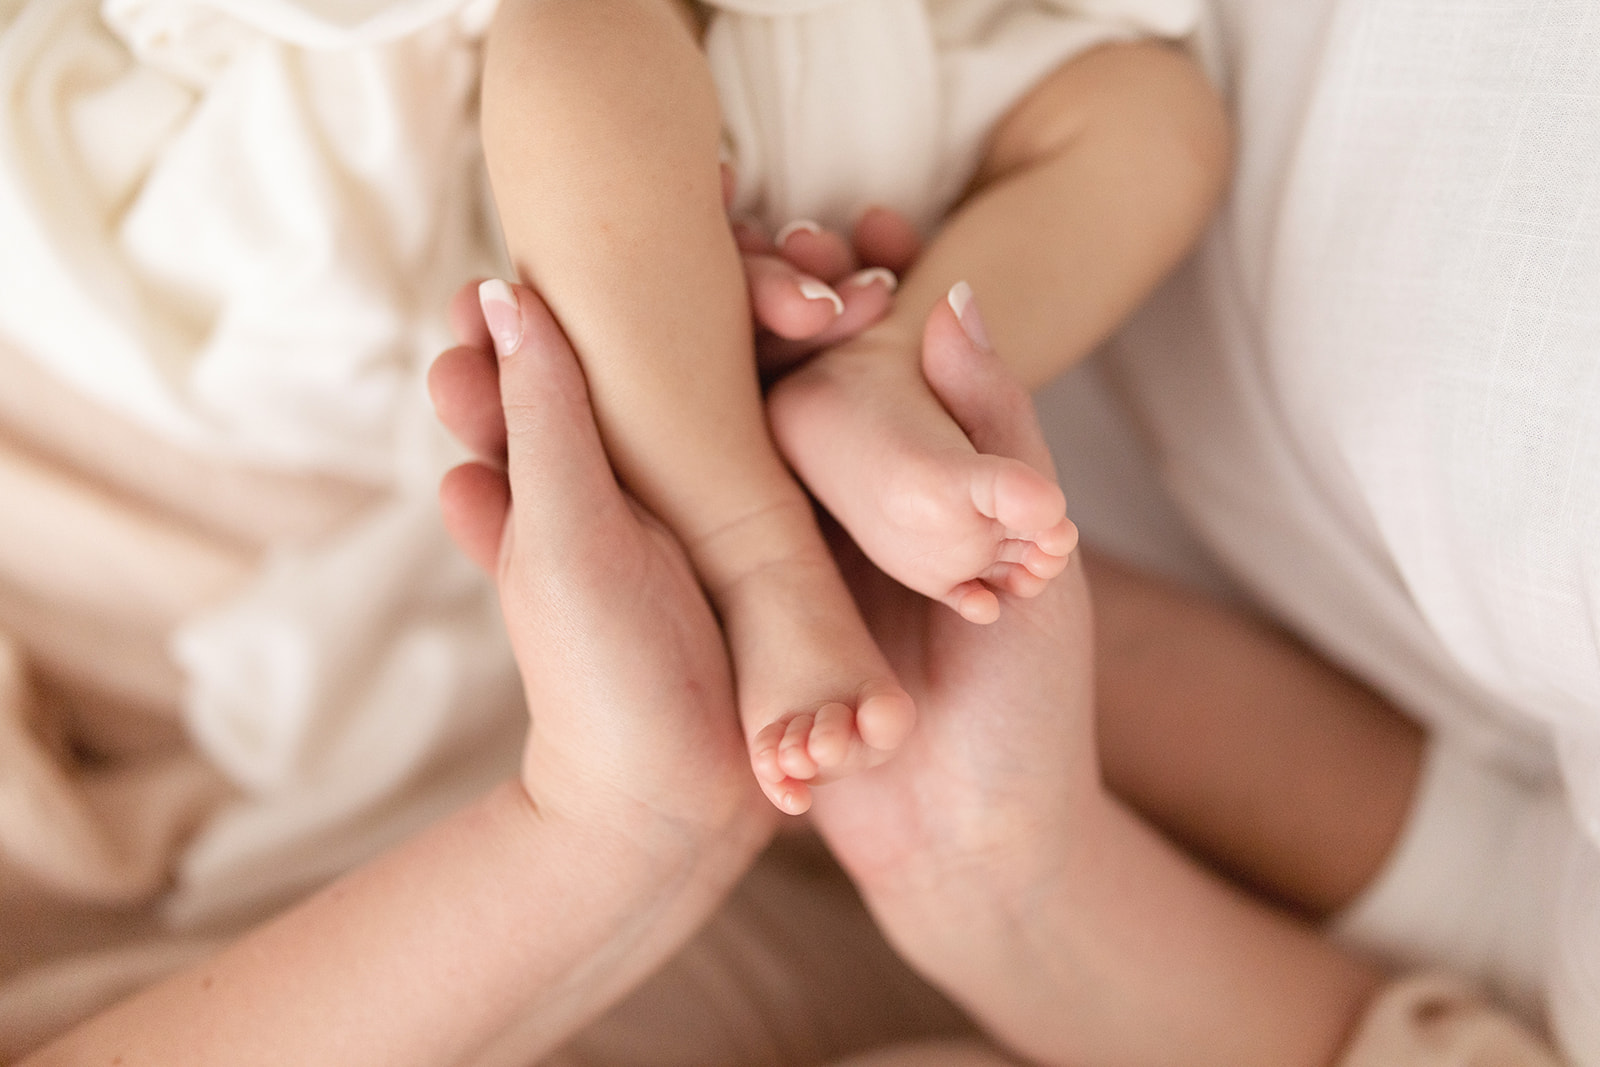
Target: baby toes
[(973, 601), (884, 718), (832, 731), (1025, 500), (765, 757), (794, 748), (1042, 563), (1016, 580), (1058, 540), (799, 751)]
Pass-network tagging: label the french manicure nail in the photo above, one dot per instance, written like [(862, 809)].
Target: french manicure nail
[(502, 315), (966, 309), (797, 226), (812, 289), (863, 278)]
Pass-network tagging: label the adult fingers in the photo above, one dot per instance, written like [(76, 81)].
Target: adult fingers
[(867, 296), (816, 251), (465, 386), (474, 500), (975, 387), (788, 302), (561, 482), (466, 317), (885, 238)]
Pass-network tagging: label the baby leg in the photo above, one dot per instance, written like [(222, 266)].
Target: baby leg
[(1090, 191), (601, 131)]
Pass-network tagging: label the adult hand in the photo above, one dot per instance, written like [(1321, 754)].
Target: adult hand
[(810, 289), (1000, 868), (622, 661), (1002, 759)]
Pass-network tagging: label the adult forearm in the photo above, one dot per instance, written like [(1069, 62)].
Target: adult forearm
[(1119, 950), (501, 913)]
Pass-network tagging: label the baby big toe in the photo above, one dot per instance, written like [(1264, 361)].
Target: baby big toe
[(1026, 500), (884, 717), (1017, 580)]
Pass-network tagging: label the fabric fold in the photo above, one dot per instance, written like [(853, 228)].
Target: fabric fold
[(832, 107)]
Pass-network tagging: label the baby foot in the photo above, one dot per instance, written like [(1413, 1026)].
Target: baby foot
[(817, 699), (873, 444)]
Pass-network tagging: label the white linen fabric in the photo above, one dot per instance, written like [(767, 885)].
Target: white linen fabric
[(239, 223), (834, 105), (1375, 391), (247, 212)]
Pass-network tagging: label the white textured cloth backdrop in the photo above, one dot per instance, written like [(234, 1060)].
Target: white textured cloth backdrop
[(1376, 390)]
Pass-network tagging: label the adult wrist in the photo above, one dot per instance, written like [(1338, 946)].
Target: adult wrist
[(999, 904), (1060, 956), (660, 840)]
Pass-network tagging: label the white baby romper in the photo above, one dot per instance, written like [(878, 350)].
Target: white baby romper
[(832, 106), (1375, 392)]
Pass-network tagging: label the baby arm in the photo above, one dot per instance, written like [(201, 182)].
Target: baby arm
[(1091, 189)]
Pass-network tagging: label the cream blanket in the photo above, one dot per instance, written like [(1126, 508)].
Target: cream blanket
[(237, 651)]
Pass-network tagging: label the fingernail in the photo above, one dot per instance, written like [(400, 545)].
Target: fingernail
[(966, 309), (797, 226), (502, 315), (812, 289), (863, 278)]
